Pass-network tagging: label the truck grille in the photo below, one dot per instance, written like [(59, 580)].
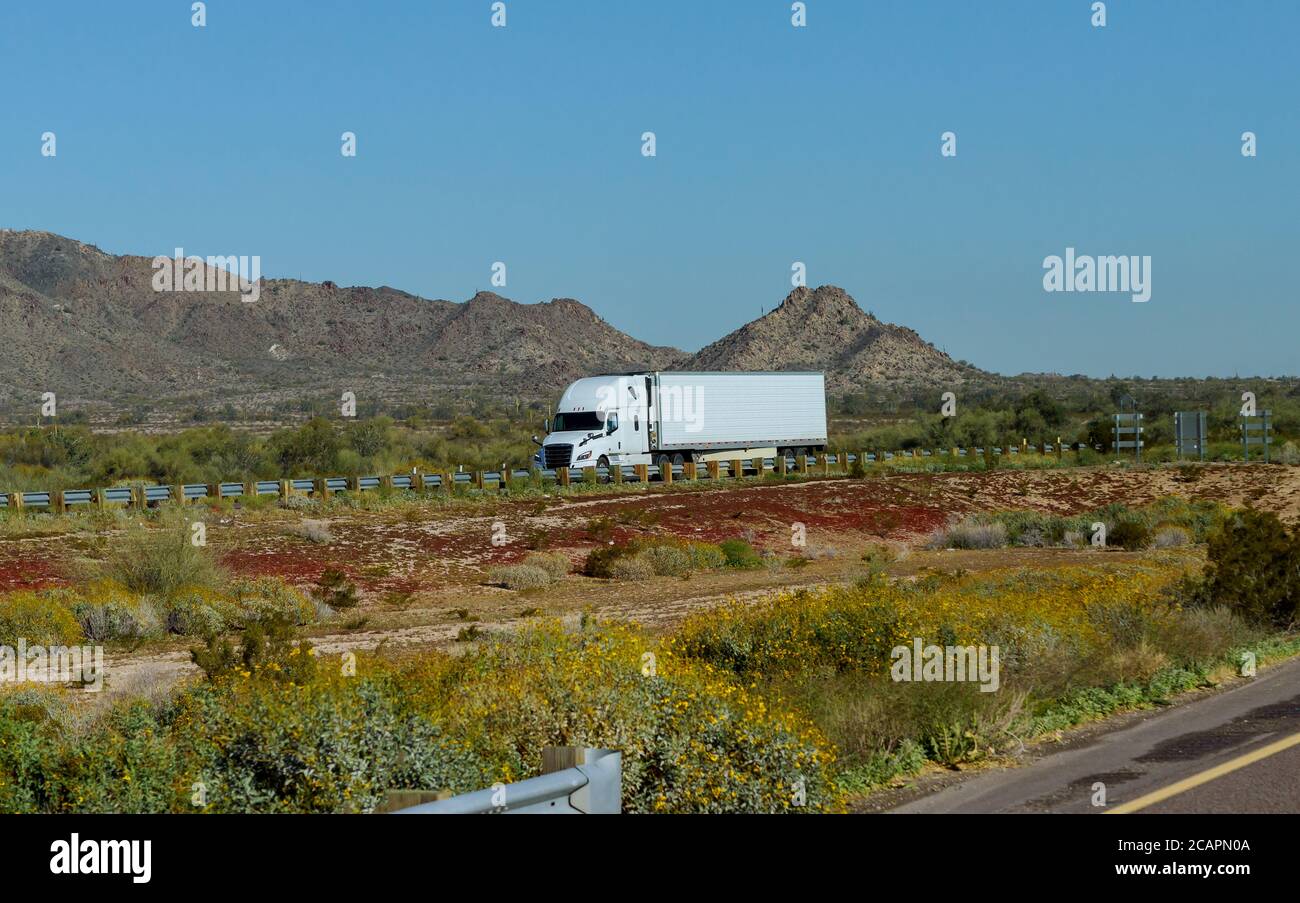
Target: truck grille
[(558, 455)]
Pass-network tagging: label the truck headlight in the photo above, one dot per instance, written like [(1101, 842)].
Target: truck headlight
[(584, 456)]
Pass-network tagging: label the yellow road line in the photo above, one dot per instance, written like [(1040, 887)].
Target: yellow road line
[(1206, 776)]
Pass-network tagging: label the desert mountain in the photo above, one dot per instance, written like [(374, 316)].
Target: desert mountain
[(90, 327), (824, 329)]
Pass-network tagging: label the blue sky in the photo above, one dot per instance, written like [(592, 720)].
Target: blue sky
[(775, 144)]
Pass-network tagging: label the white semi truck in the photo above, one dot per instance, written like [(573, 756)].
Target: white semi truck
[(670, 418)]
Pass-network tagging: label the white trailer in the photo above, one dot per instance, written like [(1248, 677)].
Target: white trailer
[(674, 417)]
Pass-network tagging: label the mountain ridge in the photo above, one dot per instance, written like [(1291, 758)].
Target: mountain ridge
[(89, 326)]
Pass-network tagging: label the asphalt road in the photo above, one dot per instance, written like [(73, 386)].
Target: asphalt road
[(1236, 751)]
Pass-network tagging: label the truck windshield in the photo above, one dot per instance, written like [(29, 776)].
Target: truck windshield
[(578, 420)]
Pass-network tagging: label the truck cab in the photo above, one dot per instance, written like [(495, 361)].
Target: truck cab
[(599, 421)]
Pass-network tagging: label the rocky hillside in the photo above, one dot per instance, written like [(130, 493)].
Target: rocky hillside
[(90, 327), (824, 329)]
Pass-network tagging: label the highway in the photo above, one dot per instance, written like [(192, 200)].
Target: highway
[(1235, 751)]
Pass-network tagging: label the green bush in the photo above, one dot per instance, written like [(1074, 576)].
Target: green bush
[(556, 564), (519, 576), (37, 619), (632, 567), (669, 560), (199, 612), (269, 599), (1253, 569), (160, 562), (740, 554)]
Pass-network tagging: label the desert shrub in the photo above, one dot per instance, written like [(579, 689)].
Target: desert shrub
[(335, 591), (556, 564), (669, 560), (160, 562), (38, 619), (200, 612), (1129, 533), (707, 556), (971, 534), (107, 611), (1170, 537), (1253, 569), (600, 559), (632, 567), (519, 576), (740, 554), (316, 531), (268, 647), (269, 599)]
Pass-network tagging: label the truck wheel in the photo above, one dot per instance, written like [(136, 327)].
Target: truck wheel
[(664, 463), (800, 454), (603, 461), (678, 460)]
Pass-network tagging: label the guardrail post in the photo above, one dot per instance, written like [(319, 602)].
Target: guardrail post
[(616, 472), (250, 490), (15, 500), (758, 466), (801, 463), (386, 482), (781, 464), (643, 473), (286, 489), (562, 476), (689, 471), (320, 488), (99, 499), (56, 502), (177, 494), (417, 480), (214, 492), (715, 469), (737, 468), (666, 471), (138, 500), (824, 463), (476, 478)]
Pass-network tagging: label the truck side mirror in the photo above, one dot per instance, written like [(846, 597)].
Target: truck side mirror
[(546, 425)]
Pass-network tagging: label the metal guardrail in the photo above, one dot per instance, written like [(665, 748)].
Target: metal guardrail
[(147, 496), (590, 785)]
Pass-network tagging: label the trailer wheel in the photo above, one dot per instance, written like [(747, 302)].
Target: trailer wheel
[(664, 463), (678, 459)]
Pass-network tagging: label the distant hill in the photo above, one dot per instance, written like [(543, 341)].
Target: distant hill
[(89, 326), (824, 329)]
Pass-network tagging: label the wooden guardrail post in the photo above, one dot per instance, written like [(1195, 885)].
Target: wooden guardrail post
[(643, 473), (417, 480), (824, 463), (214, 492), (616, 472), (15, 500), (98, 496), (801, 463), (476, 477), (562, 476), (715, 469), (56, 502), (250, 490), (138, 500), (781, 464), (286, 489), (689, 471), (177, 494), (737, 468), (666, 471), (758, 466)]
